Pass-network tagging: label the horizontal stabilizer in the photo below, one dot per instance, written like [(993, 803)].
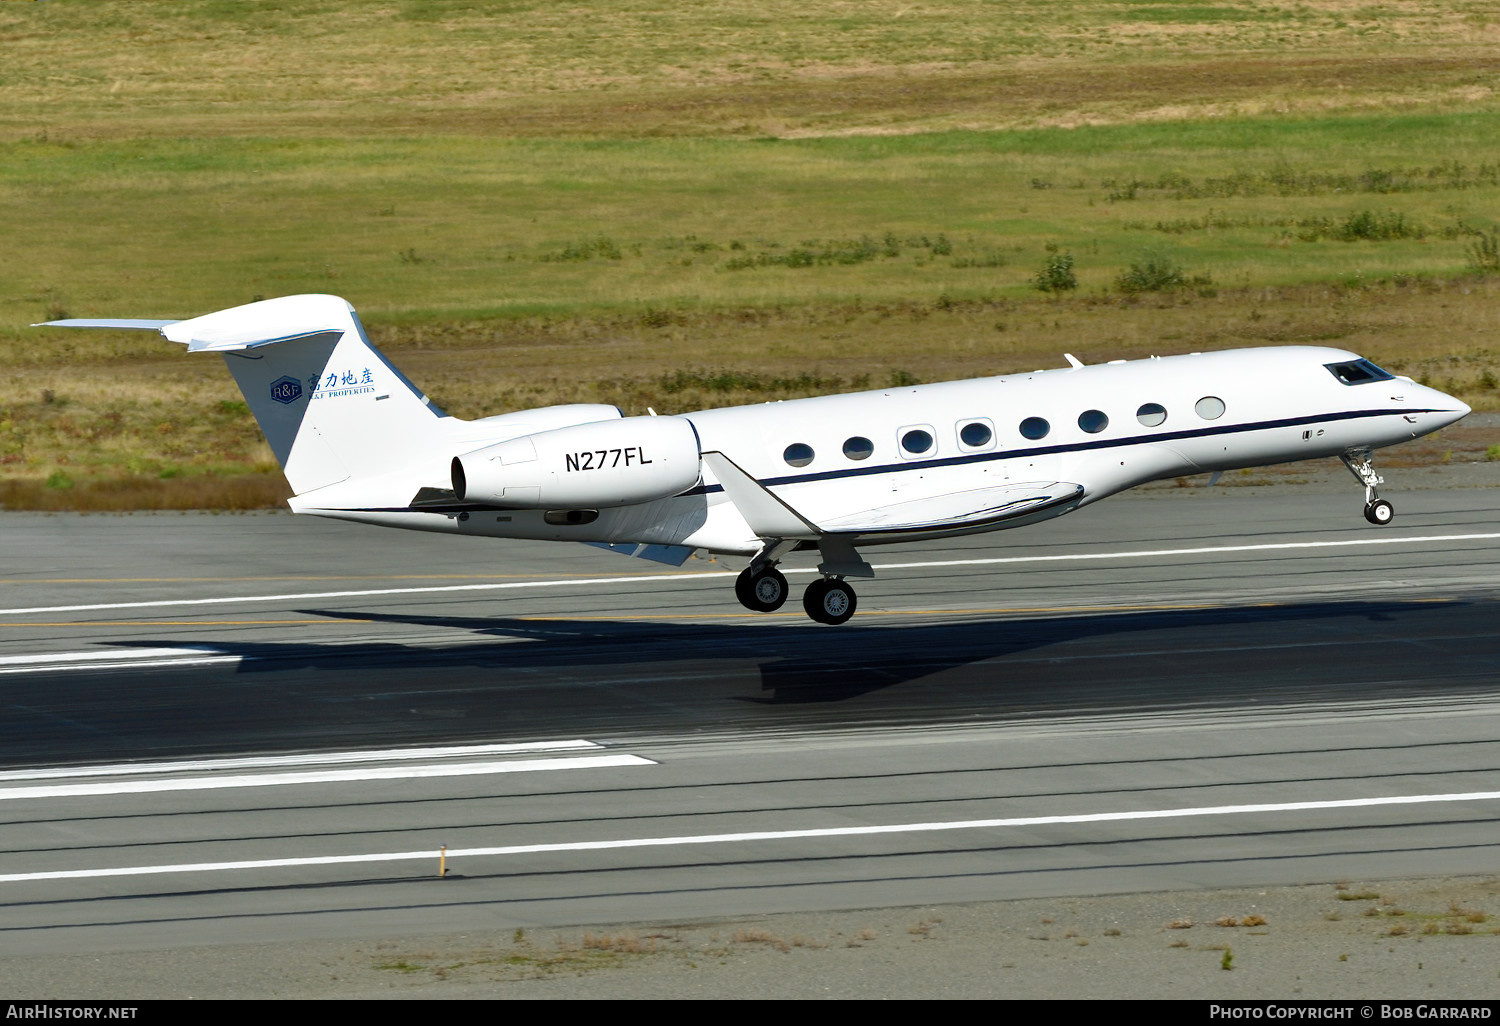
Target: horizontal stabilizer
[(265, 323), (975, 508), (128, 323)]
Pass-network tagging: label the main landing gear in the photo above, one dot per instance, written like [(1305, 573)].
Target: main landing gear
[(761, 589), (1377, 511), (764, 590), (829, 599)]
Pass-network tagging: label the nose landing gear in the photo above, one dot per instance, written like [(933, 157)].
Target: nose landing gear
[(1377, 510)]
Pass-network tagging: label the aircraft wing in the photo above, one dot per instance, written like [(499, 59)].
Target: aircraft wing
[(977, 507)]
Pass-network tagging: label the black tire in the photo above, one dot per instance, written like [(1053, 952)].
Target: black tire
[(764, 592), (831, 602), (1380, 512)]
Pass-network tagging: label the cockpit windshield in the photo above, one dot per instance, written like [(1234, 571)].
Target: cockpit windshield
[(1358, 372)]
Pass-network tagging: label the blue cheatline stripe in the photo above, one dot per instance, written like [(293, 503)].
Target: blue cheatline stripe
[(1049, 450)]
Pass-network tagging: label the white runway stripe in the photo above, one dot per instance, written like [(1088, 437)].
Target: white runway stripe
[(114, 661), (213, 783), (316, 759), (679, 577), (760, 835)]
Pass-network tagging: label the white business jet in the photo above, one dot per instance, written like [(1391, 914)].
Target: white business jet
[(358, 441)]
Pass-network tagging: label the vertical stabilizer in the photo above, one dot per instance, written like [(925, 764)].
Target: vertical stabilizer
[(331, 406)]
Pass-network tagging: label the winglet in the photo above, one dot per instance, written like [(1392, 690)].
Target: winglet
[(766, 514), (1073, 361)]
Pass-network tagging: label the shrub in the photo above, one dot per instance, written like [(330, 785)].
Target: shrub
[(1157, 274), (1154, 275), (1056, 275)]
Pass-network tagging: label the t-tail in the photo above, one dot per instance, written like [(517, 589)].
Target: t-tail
[(331, 406)]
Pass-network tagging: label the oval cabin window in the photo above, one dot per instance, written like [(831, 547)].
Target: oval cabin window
[(916, 441), (798, 454), (859, 448), (975, 435), (1034, 428), (1093, 421)]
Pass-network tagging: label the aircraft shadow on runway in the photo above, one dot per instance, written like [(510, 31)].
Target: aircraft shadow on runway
[(509, 678), (806, 663)]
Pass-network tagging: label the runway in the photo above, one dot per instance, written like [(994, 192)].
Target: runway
[(261, 727)]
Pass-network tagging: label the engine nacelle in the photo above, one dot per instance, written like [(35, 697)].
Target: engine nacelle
[(611, 463)]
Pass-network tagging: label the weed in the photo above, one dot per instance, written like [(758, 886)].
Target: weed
[(1180, 924), (756, 936), (1484, 255), (1363, 225), (924, 928), (1227, 962), (988, 258)]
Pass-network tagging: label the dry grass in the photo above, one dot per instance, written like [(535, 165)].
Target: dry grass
[(768, 67)]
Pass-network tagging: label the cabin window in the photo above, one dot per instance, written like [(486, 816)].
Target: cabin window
[(917, 441), (1210, 407), (798, 454), (977, 434), (1034, 428), (1093, 421), (1358, 372), (858, 448), (1152, 415)]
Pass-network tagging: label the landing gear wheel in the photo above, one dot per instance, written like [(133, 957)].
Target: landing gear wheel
[(763, 592), (1380, 512), (829, 601)]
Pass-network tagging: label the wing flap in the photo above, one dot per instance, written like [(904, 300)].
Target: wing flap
[(974, 508)]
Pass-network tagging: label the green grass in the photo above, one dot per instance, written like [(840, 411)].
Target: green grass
[(461, 227)]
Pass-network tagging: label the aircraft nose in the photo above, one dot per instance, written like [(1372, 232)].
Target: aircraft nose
[(1450, 409)]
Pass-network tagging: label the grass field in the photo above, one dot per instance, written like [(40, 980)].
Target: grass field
[(680, 205)]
